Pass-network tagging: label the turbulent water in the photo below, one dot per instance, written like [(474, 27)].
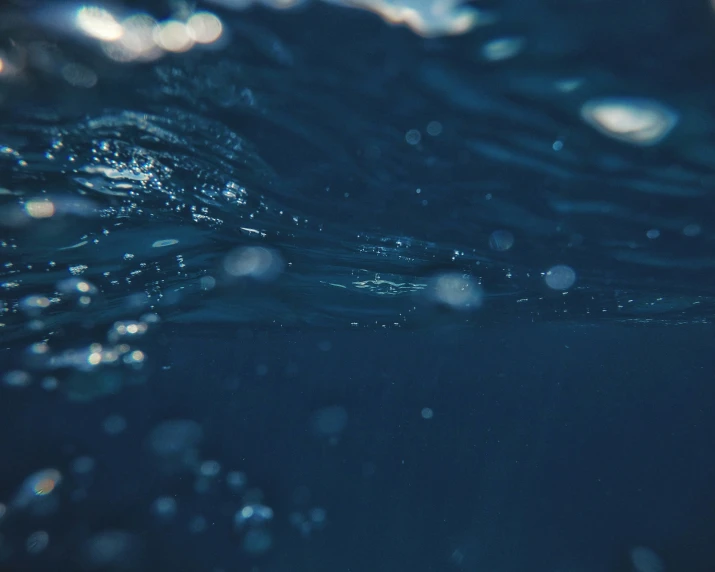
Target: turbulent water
[(371, 176)]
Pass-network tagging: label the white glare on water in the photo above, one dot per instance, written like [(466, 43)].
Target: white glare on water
[(173, 36), (634, 120), (204, 27), (98, 23)]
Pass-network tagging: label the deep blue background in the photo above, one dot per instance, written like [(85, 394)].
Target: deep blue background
[(551, 446)]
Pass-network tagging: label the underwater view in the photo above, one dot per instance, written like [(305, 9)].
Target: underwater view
[(357, 285)]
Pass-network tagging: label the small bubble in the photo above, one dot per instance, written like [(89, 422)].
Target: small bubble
[(207, 283), (210, 469), (164, 507), (560, 277), (79, 75), (236, 480), (330, 420), (434, 128), (257, 541), (17, 378), (501, 240), (413, 137), (458, 291), (253, 515), (317, 515), (34, 305), (692, 230), (502, 49), (83, 465), (37, 542), (114, 424), (49, 383), (296, 519)]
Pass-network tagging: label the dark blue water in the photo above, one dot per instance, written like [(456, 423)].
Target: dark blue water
[(304, 289)]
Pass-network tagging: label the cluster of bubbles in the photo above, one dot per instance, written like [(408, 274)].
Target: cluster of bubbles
[(176, 444), (36, 497), (85, 372)]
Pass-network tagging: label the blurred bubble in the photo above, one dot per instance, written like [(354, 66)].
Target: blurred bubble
[(164, 507), (502, 48), (76, 287), (257, 541), (235, 480), (204, 27), (653, 233), (49, 383), (413, 137), (173, 36), (427, 413), (501, 240), (560, 277), (638, 121), (34, 305), (38, 485), (434, 128), (207, 282), (692, 230), (124, 330), (329, 421), (111, 550), (296, 519), (210, 469), (114, 424), (253, 262), (318, 515), (83, 465), (37, 542), (253, 515), (176, 443), (78, 75), (458, 291), (17, 378), (645, 560)]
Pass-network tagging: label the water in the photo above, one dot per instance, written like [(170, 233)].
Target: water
[(452, 247)]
